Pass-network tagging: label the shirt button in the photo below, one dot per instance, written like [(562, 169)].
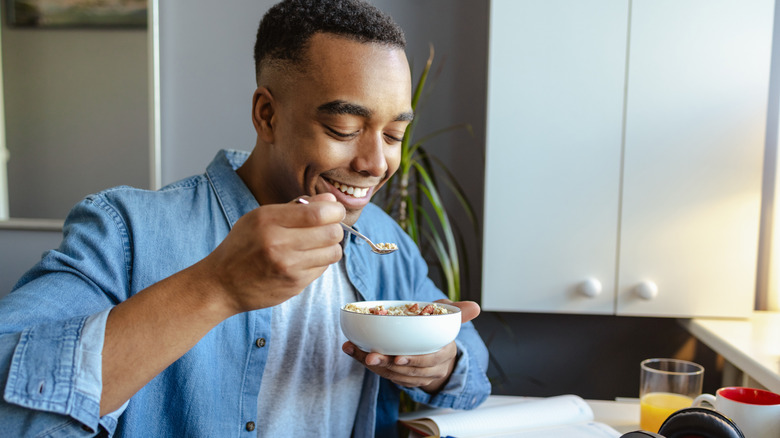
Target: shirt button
[(250, 426), (260, 342)]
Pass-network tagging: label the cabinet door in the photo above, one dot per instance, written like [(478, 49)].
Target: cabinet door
[(555, 106), (695, 124)]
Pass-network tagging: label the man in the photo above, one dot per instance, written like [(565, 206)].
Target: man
[(210, 307)]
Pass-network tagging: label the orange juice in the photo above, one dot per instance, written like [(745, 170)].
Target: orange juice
[(656, 407)]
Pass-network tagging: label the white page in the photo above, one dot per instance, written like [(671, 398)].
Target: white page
[(581, 430), (508, 418)]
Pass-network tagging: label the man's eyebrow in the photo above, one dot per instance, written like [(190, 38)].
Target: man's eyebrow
[(405, 117), (340, 107)]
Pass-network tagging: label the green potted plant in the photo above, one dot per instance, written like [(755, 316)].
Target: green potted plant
[(413, 198)]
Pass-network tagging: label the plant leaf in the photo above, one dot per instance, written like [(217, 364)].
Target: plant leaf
[(449, 272), (457, 190), (435, 201)]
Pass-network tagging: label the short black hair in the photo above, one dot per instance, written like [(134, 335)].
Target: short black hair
[(285, 30)]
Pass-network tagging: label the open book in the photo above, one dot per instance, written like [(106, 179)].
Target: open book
[(561, 416)]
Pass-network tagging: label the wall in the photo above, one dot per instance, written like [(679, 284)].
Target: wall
[(76, 106), (767, 290), (206, 81), (20, 249)]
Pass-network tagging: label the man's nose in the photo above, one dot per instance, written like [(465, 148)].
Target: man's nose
[(370, 158)]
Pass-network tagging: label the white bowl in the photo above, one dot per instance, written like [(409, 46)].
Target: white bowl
[(398, 335)]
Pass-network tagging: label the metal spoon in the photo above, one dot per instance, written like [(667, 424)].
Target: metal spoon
[(378, 248)]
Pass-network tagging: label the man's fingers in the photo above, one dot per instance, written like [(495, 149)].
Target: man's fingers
[(317, 210), (411, 371), (318, 237), (321, 197), (468, 309), (319, 257), (296, 215)]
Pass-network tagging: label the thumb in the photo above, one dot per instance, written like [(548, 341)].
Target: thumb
[(468, 309)]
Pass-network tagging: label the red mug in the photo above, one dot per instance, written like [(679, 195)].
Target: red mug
[(755, 411)]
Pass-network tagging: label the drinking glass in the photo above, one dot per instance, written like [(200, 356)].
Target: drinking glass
[(666, 386)]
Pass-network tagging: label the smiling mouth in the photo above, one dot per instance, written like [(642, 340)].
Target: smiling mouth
[(356, 192)]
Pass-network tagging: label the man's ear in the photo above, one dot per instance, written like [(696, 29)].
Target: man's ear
[(263, 112)]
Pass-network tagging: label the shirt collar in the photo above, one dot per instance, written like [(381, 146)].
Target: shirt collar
[(233, 195)]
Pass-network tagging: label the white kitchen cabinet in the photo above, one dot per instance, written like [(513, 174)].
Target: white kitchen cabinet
[(625, 142), (554, 117)]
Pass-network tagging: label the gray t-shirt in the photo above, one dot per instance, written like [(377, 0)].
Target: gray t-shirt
[(310, 387)]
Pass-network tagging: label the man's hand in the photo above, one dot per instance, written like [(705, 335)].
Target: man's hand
[(428, 371), (275, 251)]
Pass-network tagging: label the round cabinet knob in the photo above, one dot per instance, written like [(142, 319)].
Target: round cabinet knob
[(591, 288), (647, 290)]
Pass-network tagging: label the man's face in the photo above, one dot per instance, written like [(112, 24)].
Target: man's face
[(337, 128)]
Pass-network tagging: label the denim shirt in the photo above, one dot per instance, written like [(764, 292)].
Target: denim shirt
[(122, 240)]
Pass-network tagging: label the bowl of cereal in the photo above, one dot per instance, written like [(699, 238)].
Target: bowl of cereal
[(400, 328)]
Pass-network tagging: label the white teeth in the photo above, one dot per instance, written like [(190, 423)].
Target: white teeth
[(354, 191)]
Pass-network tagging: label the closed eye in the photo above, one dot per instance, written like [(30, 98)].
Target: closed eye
[(393, 139), (339, 134)]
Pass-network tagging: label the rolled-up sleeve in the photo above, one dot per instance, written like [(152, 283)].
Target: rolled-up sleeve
[(56, 368)]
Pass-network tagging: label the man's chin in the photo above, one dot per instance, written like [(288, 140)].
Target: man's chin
[(352, 216)]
